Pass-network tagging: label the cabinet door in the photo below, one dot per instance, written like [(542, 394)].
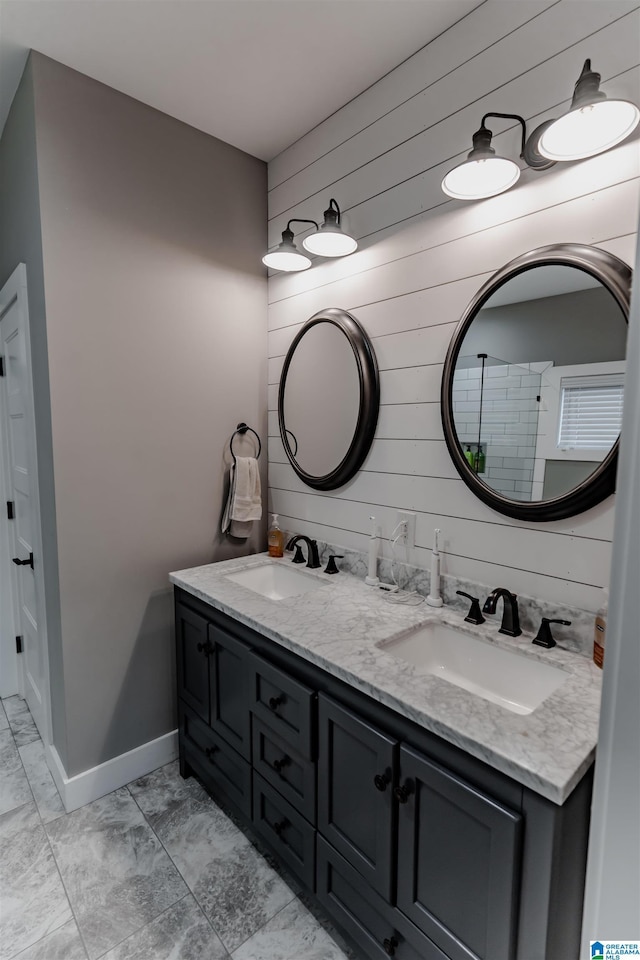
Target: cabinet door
[(192, 650), (458, 862), (220, 768), (379, 930), (229, 686), (355, 780)]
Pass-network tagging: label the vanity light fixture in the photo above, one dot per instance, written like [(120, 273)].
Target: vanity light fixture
[(592, 125), (330, 240), (286, 256), (483, 174)]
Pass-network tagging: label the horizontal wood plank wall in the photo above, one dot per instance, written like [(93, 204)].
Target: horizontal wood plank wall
[(421, 258)]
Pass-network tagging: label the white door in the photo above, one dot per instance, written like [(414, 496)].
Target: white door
[(23, 541)]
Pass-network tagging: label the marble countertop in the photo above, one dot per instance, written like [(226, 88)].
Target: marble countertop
[(338, 627)]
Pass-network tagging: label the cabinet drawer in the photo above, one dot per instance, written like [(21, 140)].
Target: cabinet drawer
[(279, 764), (376, 927), (217, 764), (459, 857), (286, 831), (285, 705)]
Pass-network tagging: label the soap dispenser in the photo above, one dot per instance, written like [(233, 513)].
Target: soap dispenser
[(275, 538)]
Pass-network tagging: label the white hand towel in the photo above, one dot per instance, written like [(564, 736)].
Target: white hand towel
[(244, 502), (247, 499)]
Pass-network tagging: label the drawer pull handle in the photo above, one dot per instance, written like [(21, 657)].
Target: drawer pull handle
[(381, 780), (24, 563), (281, 826), (390, 946), (279, 765), (275, 702), (209, 752), (403, 793)]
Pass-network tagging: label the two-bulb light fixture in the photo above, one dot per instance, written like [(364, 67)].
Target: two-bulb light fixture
[(592, 125), (328, 240)]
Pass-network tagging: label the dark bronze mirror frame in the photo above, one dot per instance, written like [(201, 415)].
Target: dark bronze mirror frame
[(613, 274), (369, 399)]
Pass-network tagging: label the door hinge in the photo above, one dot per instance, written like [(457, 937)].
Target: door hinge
[(10, 513), (18, 644)]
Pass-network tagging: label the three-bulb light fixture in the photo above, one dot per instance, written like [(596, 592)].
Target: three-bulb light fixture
[(592, 125), (328, 240)]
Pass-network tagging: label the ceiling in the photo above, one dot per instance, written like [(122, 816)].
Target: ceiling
[(256, 73)]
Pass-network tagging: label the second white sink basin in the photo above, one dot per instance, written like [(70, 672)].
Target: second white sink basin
[(276, 581), (517, 682)]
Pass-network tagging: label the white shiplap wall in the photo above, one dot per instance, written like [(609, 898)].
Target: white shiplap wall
[(422, 258)]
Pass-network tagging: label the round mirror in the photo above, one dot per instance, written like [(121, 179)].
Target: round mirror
[(328, 399), (533, 383)]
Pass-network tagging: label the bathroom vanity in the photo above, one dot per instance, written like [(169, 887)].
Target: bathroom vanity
[(428, 821)]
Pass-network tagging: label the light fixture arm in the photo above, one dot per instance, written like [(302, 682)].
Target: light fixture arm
[(510, 116), (333, 205), (289, 231)]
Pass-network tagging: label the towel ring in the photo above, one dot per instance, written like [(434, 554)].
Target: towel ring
[(242, 428)]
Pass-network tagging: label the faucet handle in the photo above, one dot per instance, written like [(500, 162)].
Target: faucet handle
[(475, 614), (544, 637), (331, 566), (298, 556)]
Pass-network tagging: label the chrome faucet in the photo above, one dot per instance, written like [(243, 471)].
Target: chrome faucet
[(510, 619), (313, 560)]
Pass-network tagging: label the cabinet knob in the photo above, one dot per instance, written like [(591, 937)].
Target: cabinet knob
[(279, 765), (209, 752), (205, 648), (389, 946), (403, 793), (381, 780), (275, 702), (281, 826)]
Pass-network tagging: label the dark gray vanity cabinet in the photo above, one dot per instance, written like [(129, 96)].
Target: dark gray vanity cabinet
[(414, 848), (213, 677), (459, 860), (355, 781), (213, 706), (192, 646)]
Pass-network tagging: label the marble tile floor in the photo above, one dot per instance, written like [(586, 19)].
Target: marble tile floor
[(153, 871)]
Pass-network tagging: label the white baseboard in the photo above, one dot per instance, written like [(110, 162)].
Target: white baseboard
[(98, 781)]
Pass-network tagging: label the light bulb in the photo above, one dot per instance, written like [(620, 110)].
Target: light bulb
[(589, 129), (330, 242), (476, 179), (287, 260)]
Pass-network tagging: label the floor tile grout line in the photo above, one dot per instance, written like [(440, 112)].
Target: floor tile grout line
[(256, 932), (35, 799), (143, 926), (55, 861), (64, 887), (186, 882)]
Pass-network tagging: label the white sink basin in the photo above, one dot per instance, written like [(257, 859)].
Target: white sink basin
[(275, 581), (512, 680)]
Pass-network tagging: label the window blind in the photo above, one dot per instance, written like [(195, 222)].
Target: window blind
[(590, 412)]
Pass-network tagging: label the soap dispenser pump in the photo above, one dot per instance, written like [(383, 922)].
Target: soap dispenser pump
[(275, 538)]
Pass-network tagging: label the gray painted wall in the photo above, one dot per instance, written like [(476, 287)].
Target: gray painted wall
[(582, 327), (20, 242), (156, 322)]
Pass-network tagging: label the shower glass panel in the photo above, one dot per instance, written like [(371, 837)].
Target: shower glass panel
[(495, 408)]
